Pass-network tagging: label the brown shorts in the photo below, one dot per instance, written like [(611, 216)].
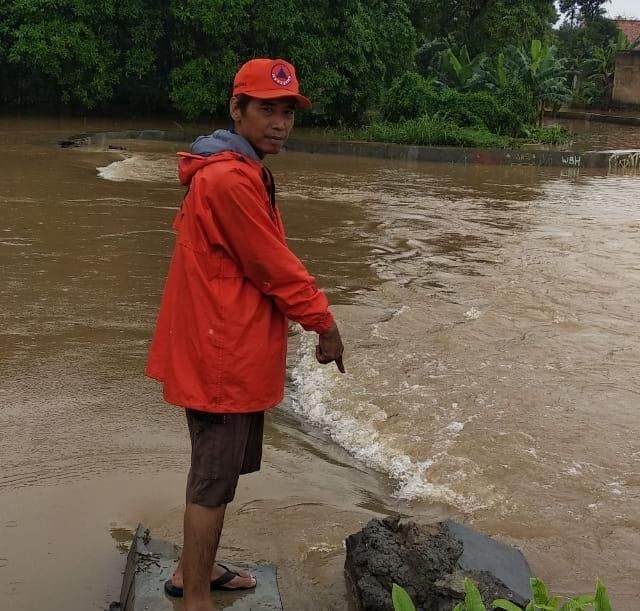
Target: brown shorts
[(223, 447)]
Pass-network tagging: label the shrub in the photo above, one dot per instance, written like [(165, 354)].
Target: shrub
[(515, 96), (485, 108), (412, 96), (461, 108)]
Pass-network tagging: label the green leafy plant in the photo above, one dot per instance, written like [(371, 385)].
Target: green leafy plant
[(542, 72), (491, 74), (601, 599), (429, 57), (601, 66), (553, 135), (401, 599), (483, 26), (412, 96), (472, 598), (541, 601), (460, 68), (180, 55)]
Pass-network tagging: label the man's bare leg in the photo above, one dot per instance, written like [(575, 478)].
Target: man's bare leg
[(202, 528)]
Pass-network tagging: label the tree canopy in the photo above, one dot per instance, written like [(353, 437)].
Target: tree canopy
[(182, 54), (582, 11), (484, 25), (179, 56)]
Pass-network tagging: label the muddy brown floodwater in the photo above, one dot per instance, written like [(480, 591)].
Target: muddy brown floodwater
[(491, 321)]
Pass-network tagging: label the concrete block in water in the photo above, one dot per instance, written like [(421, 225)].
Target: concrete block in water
[(431, 562), (152, 134), (151, 562)]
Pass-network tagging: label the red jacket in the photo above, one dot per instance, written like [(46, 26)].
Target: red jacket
[(220, 342)]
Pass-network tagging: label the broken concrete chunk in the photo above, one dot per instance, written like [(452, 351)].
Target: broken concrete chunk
[(431, 562), (151, 562)]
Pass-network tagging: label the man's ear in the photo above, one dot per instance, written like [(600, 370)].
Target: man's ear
[(234, 109)]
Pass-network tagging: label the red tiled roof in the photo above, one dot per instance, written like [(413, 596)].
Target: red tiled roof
[(630, 27)]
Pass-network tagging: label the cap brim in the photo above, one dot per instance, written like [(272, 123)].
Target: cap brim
[(274, 94)]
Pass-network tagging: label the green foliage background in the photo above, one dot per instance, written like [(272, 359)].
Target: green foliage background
[(485, 25), (178, 56), (411, 96), (165, 55)]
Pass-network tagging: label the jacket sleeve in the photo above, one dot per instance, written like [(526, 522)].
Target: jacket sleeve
[(241, 214)]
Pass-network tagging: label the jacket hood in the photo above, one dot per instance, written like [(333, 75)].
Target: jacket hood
[(222, 145), (223, 140)]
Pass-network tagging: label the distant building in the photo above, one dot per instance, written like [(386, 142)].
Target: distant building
[(629, 27), (626, 85)]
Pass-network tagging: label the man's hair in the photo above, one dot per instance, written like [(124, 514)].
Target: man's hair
[(243, 101)]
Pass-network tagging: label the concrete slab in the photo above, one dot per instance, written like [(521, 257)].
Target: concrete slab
[(151, 562), (482, 553)]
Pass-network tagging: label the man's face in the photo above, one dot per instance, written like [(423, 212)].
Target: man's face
[(265, 123)]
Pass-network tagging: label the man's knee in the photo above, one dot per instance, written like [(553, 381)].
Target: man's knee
[(210, 493)]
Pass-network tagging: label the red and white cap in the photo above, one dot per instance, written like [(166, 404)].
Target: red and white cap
[(268, 79)]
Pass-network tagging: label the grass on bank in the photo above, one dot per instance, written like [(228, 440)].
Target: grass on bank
[(552, 135), (433, 131)]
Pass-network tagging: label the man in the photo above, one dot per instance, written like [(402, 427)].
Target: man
[(219, 346)]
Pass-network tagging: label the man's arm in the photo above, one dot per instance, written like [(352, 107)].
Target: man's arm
[(271, 266)]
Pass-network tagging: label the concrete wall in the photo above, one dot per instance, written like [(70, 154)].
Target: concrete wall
[(626, 87), (614, 161), (532, 157)]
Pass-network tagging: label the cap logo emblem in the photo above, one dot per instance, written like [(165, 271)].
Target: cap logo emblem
[(281, 75)]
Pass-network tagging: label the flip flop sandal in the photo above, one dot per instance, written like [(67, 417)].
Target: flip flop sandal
[(216, 584), (226, 577)]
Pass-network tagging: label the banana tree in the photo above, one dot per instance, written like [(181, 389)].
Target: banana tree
[(602, 66), (542, 72), (490, 74), (459, 68)]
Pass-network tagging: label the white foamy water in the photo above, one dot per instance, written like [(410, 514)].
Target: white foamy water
[(144, 168), (473, 314), (348, 413)]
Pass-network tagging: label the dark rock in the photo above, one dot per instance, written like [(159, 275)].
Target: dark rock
[(431, 562), (116, 147), (72, 143)]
